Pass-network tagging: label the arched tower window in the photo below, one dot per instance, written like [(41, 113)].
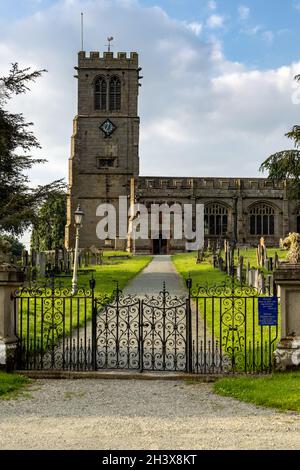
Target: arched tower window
[(100, 94), (216, 220), (115, 94), (262, 220)]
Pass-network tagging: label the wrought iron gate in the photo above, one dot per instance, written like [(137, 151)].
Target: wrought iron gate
[(227, 337), (149, 333), (212, 330)]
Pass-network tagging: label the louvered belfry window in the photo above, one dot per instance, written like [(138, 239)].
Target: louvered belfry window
[(114, 94), (100, 94)]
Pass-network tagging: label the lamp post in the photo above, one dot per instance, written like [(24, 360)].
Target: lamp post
[(78, 222)]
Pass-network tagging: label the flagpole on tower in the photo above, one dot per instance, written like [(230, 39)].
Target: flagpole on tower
[(82, 31)]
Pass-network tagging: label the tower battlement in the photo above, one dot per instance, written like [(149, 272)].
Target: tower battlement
[(95, 58)]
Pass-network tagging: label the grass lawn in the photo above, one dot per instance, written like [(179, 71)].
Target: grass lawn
[(202, 274), (281, 391), (11, 384), (77, 310)]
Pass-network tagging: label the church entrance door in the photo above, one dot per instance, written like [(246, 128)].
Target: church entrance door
[(160, 246)]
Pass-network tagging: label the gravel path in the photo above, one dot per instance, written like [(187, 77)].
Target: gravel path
[(137, 414), (150, 280)]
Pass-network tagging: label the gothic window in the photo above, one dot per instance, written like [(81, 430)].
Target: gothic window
[(215, 220), (100, 93), (262, 220), (115, 94)]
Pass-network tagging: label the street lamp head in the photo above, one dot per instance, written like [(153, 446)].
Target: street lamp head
[(78, 216)]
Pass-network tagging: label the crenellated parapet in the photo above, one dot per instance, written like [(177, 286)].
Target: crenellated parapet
[(97, 59), (206, 183)]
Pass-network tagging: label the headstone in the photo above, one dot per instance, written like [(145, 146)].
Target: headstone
[(33, 257), (258, 256), (239, 272), (221, 264), (65, 259), (247, 272), (25, 260), (256, 279), (276, 261), (199, 256), (41, 263), (262, 285), (269, 284), (214, 259), (266, 264), (271, 264), (251, 278)]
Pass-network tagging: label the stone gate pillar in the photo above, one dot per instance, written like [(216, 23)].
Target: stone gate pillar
[(287, 354), (10, 279)]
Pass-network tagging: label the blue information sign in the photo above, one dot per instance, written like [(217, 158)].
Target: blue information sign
[(268, 311)]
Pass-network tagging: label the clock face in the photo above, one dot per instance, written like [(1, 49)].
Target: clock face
[(107, 127)]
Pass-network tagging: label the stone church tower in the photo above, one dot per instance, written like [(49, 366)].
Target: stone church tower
[(105, 140)]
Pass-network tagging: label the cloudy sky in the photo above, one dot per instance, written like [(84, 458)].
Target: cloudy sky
[(218, 91)]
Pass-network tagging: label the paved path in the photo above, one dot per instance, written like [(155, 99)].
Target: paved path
[(137, 414), (150, 280)]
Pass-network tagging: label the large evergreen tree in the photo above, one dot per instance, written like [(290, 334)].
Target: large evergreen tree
[(285, 165), (49, 229), (19, 201)]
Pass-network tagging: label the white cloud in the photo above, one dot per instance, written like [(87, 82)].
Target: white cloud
[(195, 27), (252, 31), (201, 114), (243, 12), (297, 5), (212, 5), (215, 21), (268, 36)]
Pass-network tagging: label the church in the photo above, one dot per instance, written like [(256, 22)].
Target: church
[(104, 165)]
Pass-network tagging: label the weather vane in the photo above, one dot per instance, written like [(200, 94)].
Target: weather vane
[(109, 39)]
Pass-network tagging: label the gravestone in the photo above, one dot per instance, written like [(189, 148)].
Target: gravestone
[(65, 260), (33, 257), (251, 278), (269, 284), (256, 278), (247, 272), (262, 284), (266, 264), (239, 271), (199, 256), (25, 258), (221, 264), (271, 264), (276, 261), (41, 263)]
